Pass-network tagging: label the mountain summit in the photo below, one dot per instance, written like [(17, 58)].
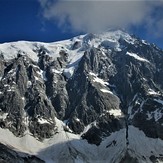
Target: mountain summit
[(93, 98)]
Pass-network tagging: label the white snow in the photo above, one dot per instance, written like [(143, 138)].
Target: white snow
[(44, 75), (3, 116), (9, 90), (10, 50), (29, 83), (6, 85), (130, 108), (36, 78), (56, 71), (42, 121), (23, 144), (142, 146), (115, 112), (41, 74), (12, 72), (110, 43), (108, 39), (106, 91), (144, 79), (77, 119), (74, 58), (104, 40), (98, 80), (131, 115), (58, 147), (25, 120), (93, 74), (145, 42), (152, 92), (137, 57), (35, 66), (68, 72), (86, 128), (157, 114)]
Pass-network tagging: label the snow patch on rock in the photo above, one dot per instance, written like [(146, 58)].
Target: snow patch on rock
[(42, 121), (68, 72), (152, 92), (98, 80), (106, 91), (115, 112), (137, 57), (3, 116)]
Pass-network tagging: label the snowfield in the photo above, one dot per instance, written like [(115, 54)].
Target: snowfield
[(65, 146)]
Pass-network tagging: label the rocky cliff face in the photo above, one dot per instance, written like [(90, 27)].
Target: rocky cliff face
[(103, 89)]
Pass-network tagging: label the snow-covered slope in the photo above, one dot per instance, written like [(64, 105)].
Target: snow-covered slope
[(74, 47), (69, 147), (30, 49), (65, 146)]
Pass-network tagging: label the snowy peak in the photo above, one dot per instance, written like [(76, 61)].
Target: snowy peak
[(79, 43), (73, 48), (107, 40)]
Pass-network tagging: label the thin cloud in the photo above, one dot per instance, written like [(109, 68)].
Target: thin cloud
[(89, 16)]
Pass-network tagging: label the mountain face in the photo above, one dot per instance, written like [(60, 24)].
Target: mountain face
[(95, 97)]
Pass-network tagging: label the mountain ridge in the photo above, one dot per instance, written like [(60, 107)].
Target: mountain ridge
[(83, 99)]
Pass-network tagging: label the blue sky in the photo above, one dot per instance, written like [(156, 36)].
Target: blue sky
[(52, 20), (22, 20)]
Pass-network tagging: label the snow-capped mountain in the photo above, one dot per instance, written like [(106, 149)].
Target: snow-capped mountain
[(93, 98)]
